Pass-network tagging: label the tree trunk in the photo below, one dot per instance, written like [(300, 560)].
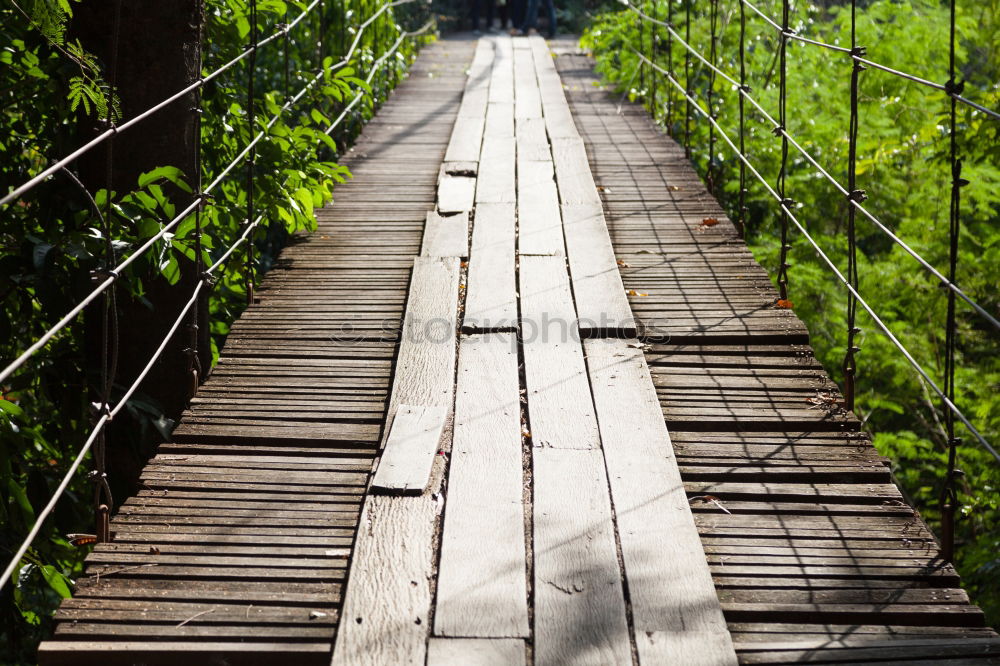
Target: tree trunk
[(158, 53)]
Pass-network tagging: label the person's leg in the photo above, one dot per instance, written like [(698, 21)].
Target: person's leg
[(517, 13), (504, 15), (475, 14), (491, 8), (550, 5), (530, 15)]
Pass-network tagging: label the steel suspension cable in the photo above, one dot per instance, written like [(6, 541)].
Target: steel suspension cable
[(949, 496), (670, 68), (106, 413), (713, 20), (786, 203), (116, 272), (953, 94), (30, 184), (687, 79), (741, 218), (836, 271), (779, 130), (854, 195)]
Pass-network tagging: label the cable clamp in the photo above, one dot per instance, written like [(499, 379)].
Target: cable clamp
[(788, 203), (953, 88), (859, 51), (94, 475), (857, 196), (197, 110), (745, 88), (778, 130), (956, 174), (208, 279)]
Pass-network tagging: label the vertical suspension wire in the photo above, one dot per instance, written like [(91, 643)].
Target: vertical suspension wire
[(854, 195), (252, 158), (949, 499), (103, 501), (741, 217), (287, 44), (687, 79), (321, 32), (343, 26), (782, 122), (713, 19), (654, 32), (196, 370), (642, 49), (670, 68)]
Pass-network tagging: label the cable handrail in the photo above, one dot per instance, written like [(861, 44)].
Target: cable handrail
[(115, 273), (791, 215), (780, 130), (204, 280), (117, 129), (948, 88)]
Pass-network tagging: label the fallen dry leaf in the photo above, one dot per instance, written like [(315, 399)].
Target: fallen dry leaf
[(784, 304), (710, 498), (622, 263), (709, 222), (633, 292)]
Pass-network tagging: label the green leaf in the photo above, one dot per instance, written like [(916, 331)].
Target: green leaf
[(57, 581), (169, 173)]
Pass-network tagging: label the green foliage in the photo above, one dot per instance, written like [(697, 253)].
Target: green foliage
[(54, 239), (903, 166)]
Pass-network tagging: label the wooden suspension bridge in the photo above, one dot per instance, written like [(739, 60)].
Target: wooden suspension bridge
[(516, 401)]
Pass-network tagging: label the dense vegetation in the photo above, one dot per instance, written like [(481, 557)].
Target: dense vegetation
[(903, 165), (53, 239)]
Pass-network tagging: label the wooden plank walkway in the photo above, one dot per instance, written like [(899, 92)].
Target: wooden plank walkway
[(605, 445), (815, 555), (236, 550)]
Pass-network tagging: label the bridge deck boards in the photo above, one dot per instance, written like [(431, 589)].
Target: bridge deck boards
[(562, 520), (237, 549), (815, 555)]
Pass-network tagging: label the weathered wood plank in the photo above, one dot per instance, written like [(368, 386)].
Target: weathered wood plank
[(405, 465), (576, 184), (532, 142), (466, 139), (491, 294), (481, 578), (579, 602), (496, 171), (601, 304), (527, 103), (475, 652), (446, 236), (426, 363), (539, 220), (560, 407), (499, 121), (670, 586), (456, 194), (385, 612)]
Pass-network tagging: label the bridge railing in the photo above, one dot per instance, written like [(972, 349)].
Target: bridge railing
[(369, 78), (646, 45)]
